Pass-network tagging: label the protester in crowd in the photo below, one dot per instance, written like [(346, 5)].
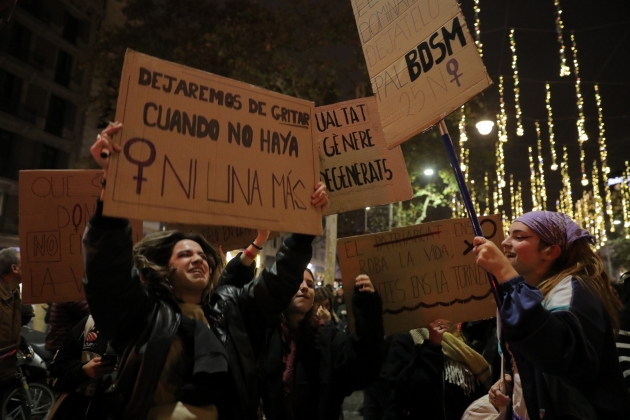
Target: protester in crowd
[(623, 336), (339, 299), (558, 317), (159, 325), (62, 318), (321, 306), (434, 374), (82, 373), (10, 309), (307, 371)]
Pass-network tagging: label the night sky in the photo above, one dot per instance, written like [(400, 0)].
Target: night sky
[(602, 32)]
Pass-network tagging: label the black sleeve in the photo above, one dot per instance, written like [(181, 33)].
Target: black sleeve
[(236, 273), (118, 302), (66, 370), (357, 356), (415, 376)]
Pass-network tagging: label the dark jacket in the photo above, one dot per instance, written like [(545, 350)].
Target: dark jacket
[(328, 368), (137, 319), (418, 388), (62, 319), (564, 349)]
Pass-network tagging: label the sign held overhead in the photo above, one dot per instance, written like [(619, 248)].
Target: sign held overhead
[(358, 169), (423, 272), (421, 59), (55, 207), (203, 149)]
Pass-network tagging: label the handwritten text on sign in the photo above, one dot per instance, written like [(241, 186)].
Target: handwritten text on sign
[(423, 272), (202, 149), (55, 207), (355, 164), (421, 59)]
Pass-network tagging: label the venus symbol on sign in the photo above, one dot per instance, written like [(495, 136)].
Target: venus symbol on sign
[(141, 164), (452, 66)]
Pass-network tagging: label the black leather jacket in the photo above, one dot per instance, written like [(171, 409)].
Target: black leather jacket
[(143, 324)]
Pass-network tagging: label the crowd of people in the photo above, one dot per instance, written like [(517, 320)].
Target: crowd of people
[(169, 331)]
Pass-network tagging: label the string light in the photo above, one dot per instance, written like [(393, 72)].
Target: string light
[(582, 137), (625, 200), (495, 198), (477, 29), (542, 190), (552, 142), (603, 155), (517, 101), (564, 69), (519, 196), (463, 151), (502, 130), (598, 221), (533, 181), (566, 200), (512, 198), (487, 187)]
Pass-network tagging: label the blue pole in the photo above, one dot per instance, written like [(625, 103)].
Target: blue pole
[(463, 189)]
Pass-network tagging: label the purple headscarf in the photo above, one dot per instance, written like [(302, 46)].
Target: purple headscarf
[(555, 228)]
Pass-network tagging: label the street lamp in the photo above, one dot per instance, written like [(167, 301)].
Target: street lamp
[(428, 172), (485, 126)]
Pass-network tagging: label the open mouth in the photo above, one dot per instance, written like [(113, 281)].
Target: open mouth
[(196, 271), (510, 255)]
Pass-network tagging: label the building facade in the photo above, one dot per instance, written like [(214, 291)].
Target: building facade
[(44, 90)]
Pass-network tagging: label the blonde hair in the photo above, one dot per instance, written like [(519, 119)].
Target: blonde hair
[(581, 262)]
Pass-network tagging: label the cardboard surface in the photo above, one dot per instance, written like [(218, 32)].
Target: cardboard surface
[(355, 163), (422, 272), (55, 207), (421, 59), (228, 237), (204, 149)]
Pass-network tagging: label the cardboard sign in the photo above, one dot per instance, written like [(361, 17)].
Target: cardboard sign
[(422, 62), (203, 149), (228, 237), (358, 169), (55, 207), (423, 272)]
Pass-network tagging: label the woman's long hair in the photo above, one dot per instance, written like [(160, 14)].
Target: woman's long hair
[(581, 262), (152, 254)]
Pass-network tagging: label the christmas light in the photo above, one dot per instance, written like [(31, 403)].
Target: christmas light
[(566, 200), (477, 29), (564, 69), (625, 201), (463, 151), (598, 220), (533, 181), (502, 131), (603, 155), (542, 190), (552, 143), (519, 201), (517, 102), (582, 137), (487, 187)]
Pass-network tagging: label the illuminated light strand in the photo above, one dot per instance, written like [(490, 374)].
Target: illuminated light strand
[(625, 200), (487, 187), (582, 136), (533, 181), (552, 142), (566, 200), (463, 151), (564, 69), (500, 157), (519, 196), (495, 198), (542, 190), (517, 101), (477, 10), (603, 155), (512, 198), (599, 221)]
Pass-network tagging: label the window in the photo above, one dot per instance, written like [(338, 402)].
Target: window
[(55, 116), (8, 161), (18, 41), (71, 28), (10, 91), (51, 158), (63, 72)]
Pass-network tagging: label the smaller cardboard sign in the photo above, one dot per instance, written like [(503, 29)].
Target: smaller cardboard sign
[(422, 62), (422, 272), (228, 237), (55, 207), (203, 149), (358, 169)]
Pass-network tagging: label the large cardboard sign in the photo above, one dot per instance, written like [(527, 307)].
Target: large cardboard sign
[(355, 163), (422, 272), (228, 237), (55, 207), (203, 149), (422, 62)]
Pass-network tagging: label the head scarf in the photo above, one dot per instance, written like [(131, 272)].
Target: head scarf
[(555, 228)]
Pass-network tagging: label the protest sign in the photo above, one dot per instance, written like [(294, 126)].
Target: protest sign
[(203, 149), (421, 59), (228, 237), (55, 207), (358, 169), (422, 272)]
